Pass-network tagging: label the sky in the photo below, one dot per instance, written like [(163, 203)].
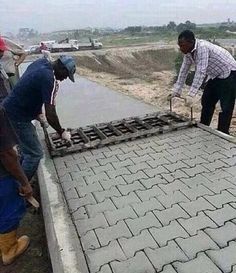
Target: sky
[(51, 15)]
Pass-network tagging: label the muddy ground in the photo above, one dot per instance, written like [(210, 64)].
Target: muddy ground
[(144, 72), (36, 258)]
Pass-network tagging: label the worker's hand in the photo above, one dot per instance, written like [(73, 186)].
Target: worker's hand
[(26, 190), (190, 101), (172, 95), (43, 121), (66, 135)]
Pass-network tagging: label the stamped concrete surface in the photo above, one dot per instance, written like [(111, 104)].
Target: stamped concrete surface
[(161, 204)]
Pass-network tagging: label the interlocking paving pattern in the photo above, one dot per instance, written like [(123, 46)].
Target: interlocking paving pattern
[(160, 204)]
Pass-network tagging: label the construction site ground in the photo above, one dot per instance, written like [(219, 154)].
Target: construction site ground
[(159, 204), (166, 203)]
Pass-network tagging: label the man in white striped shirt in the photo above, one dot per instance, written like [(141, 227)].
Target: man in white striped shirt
[(220, 68)]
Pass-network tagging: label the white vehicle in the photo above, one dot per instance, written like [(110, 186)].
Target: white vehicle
[(62, 47), (33, 49)]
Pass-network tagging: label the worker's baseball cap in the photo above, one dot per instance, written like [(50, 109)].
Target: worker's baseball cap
[(3, 46), (70, 65)]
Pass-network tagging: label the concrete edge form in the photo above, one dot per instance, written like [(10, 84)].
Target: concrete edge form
[(217, 133), (64, 246)]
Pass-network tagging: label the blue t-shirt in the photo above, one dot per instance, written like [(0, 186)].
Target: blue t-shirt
[(36, 87)]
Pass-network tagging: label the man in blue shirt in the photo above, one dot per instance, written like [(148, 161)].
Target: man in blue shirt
[(38, 86)]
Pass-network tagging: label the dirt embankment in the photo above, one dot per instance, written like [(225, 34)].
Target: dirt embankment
[(144, 72)]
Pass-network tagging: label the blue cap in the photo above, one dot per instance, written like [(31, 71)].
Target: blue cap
[(70, 65)]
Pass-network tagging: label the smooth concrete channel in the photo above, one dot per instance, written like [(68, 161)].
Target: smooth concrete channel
[(85, 102)]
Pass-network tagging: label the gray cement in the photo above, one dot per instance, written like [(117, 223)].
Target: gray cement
[(85, 102), (161, 204)]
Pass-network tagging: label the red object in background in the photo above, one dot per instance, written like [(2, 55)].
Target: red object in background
[(2, 45)]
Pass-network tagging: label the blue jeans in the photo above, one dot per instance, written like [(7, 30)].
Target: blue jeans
[(30, 147), (12, 205)]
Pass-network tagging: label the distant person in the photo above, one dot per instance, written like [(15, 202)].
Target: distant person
[(45, 51), (38, 86), (220, 67), (12, 57), (43, 46), (12, 205)]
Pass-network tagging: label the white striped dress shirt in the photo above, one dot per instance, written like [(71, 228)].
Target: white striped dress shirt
[(209, 60)]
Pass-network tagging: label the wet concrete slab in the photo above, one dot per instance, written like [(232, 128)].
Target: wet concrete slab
[(85, 102)]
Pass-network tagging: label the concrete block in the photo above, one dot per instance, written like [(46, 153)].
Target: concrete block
[(225, 257), (140, 159), (168, 269), (104, 255), (198, 265), (138, 167), (158, 162), (136, 243), (194, 207), (195, 161), (76, 203), (146, 151), (106, 235), (218, 200), (130, 178), (121, 164), (83, 226), (105, 269), (194, 224), (156, 171), (172, 187), (125, 189), (89, 241), (88, 165), (196, 191), (107, 184), (198, 243), (198, 169), (142, 208), (170, 214), (145, 195), (138, 224), (104, 161), (150, 182), (126, 156), (137, 264), (212, 166), (171, 177), (115, 152), (96, 178), (120, 214), (94, 210), (170, 199), (222, 235), (164, 234), (118, 172), (175, 166), (104, 168), (89, 189), (220, 216), (123, 201), (100, 196), (165, 255)]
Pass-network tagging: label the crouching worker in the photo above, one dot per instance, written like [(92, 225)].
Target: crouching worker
[(14, 186)]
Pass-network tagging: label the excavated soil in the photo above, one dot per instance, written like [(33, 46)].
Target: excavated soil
[(144, 72)]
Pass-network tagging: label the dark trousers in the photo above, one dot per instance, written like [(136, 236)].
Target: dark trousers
[(223, 90)]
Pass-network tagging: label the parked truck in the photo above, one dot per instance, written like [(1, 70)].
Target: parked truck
[(74, 45)]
